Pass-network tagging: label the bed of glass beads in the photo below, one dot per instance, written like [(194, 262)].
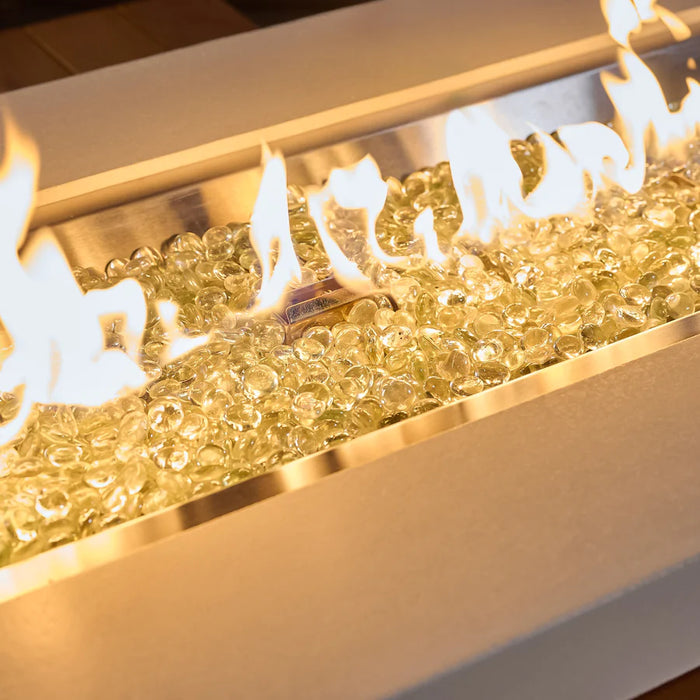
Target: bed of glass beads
[(543, 292)]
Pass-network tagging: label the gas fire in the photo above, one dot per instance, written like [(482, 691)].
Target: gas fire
[(468, 315)]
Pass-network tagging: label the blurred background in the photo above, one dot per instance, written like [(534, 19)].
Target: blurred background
[(42, 40)]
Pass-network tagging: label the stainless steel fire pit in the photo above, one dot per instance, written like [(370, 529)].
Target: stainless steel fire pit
[(518, 541)]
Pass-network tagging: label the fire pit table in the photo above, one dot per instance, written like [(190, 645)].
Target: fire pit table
[(537, 539)]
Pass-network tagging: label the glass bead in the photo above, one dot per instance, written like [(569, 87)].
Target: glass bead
[(424, 406), (492, 373), (346, 392), (52, 503), (394, 337), (259, 381), (216, 401), (680, 304), (218, 243), (133, 428), (630, 316), (311, 401), (450, 317), (268, 335), (466, 386), (211, 296), (395, 394), (568, 346), (320, 333), (636, 294), (60, 453), (171, 456), (485, 324), (210, 456), (362, 375), (317, 372), (592, 336), (134, 475), (426, 308), (383, 317), (308, 349), (659, 215), (454, 363), (23, 523), (537, 344), (243, 417), (115, 498), (165, 415), (594, 314), (362, 312), (516, 315), (100, 476), (438, 388), (487, 350)]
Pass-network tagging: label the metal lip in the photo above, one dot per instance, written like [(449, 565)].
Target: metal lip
[(110, 545)]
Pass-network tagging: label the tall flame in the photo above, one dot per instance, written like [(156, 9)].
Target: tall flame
[(361, 187), (424, 229), (59, 353), (269, 230)]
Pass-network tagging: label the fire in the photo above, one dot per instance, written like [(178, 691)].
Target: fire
[(269, 229), (58, 345), (178, 343), (626, 17), (424, 228), (585, 159), (489, 182), (361, 187), (58, 354)]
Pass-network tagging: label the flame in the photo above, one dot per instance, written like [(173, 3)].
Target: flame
[(346, 271), (582, 160), (489, 183), (625, 17), (57, 353), (269, 230), (361, 187), (178, 343), (423, 228)]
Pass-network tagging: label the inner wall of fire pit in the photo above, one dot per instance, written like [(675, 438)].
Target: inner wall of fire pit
[(93, 239)]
